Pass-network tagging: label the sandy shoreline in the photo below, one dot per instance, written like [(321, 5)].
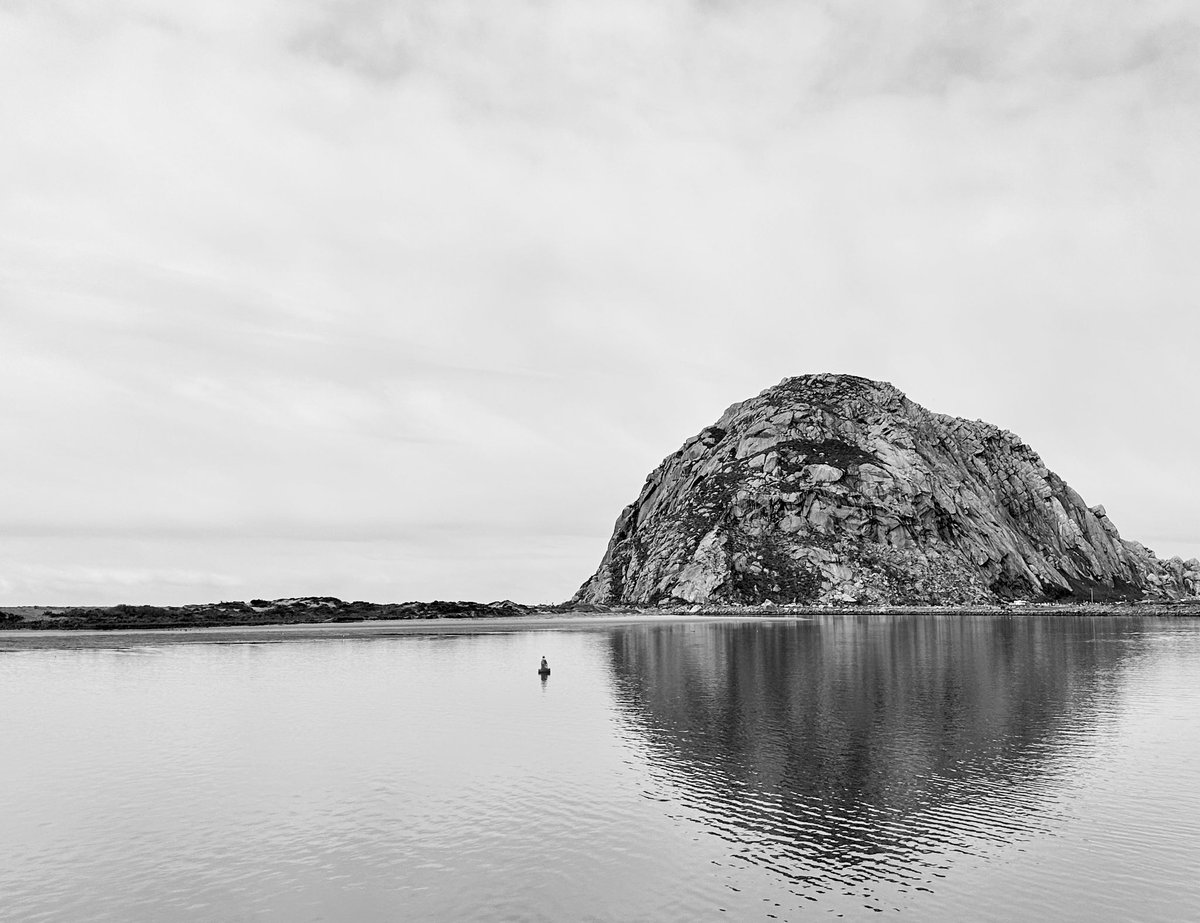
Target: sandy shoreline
[(33, 639), (215, 634), (326, 616)]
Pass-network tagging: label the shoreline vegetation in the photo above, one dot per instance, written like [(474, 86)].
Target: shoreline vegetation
[(314, 610)]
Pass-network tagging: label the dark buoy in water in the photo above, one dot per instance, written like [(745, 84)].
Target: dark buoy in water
[(544, 669)]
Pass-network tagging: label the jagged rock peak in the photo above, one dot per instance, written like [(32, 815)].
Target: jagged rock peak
[(836, 489)]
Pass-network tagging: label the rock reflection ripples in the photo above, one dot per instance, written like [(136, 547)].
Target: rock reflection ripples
[(867, 758)]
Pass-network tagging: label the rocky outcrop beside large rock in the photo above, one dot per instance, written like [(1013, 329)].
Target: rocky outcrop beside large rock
[(838, 489)]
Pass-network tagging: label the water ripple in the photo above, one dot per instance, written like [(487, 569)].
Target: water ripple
[(944, 769)]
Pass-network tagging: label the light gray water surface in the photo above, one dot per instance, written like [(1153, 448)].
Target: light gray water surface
[(942, 767)]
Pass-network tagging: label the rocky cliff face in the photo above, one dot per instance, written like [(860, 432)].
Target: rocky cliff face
[(838, 489)]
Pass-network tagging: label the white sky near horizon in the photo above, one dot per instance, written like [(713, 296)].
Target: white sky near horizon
[(403, 300)]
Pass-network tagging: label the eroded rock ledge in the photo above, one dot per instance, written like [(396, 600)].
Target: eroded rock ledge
[(835, 489)]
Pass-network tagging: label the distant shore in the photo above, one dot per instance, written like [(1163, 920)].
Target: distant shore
[(330, 611)]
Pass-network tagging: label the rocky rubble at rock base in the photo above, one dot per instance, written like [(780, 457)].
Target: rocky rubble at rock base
[(835, 489)]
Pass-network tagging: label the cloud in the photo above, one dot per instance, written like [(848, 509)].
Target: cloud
[(78, 584), (286, 268)]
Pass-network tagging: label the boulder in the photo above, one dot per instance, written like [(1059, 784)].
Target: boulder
[(833, 487)]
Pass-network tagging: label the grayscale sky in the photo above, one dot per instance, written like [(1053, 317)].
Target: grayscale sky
[(402, 300)]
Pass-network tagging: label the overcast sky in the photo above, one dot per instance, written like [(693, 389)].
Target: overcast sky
[(403, 300)]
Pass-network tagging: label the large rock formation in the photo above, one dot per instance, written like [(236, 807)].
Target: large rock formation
[(838, 489)]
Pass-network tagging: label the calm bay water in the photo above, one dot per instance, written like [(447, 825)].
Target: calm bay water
[(946, 768)]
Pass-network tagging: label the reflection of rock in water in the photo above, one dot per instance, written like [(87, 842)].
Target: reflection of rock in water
[(862, 743)]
